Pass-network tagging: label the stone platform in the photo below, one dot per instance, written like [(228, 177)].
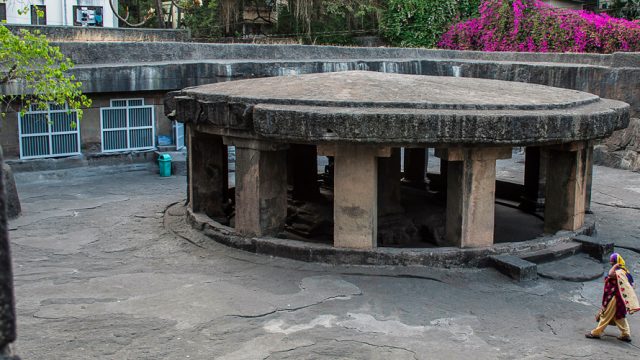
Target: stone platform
[(393, 256)]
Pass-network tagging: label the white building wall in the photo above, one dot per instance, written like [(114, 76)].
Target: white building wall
[(59, 12)]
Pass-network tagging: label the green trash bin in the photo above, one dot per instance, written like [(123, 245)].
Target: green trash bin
[(164, 162)]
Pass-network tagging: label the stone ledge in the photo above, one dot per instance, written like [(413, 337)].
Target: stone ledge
[(84, 160), (322, 253), (552, 253), (515, 267)]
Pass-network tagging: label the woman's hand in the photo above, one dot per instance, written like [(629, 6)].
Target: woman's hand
[(612, 272)]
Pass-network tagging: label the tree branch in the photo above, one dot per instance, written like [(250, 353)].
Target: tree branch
[(9, 74)]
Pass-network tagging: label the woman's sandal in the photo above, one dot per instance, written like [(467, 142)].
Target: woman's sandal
[(589, 335), (624, 338)]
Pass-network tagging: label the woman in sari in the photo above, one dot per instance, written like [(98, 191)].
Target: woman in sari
[(618, 300)]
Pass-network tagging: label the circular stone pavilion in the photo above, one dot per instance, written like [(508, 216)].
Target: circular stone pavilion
[(360, 119)]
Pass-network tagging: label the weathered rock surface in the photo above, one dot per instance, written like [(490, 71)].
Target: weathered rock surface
[(137, 290), (7, 307), (13, 200), (621, 149)]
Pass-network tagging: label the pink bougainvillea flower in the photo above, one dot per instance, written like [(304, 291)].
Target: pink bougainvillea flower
[(531, 25)]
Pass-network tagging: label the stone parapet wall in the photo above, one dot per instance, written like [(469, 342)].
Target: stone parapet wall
[(127, 52), (104, 34)]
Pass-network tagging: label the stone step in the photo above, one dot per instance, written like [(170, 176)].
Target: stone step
[(597, 248), (552, 253), (515, 267)]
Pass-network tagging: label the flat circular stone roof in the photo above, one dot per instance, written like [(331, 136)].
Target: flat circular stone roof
[(375, 89), (382, 108)]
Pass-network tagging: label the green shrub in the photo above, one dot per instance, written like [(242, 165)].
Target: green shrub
[(420, 23)]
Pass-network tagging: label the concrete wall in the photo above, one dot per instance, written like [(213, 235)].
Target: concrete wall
[(97, 34), (58, 12)]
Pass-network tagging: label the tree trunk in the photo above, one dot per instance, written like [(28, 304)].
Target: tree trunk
[(160, 14)]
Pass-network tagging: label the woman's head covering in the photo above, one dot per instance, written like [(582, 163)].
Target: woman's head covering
[(617, 259)]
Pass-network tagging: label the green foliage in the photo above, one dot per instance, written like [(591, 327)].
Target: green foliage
[(420, 23), (203, 21), (27, 60), (628, 9), (333, 22)]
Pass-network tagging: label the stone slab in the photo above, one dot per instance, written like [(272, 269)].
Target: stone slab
[(515, 267), (597, 248), (576, 268)]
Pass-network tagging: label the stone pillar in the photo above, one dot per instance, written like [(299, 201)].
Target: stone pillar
[(471, 184), (208, 174), (415, 165), (389, 184), (589, 174), (261, 186), (535, 174), (355, 204), (566, 188), (303, 172)]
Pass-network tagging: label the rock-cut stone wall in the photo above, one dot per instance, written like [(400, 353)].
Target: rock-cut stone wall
[(622, 149), (121, 67)]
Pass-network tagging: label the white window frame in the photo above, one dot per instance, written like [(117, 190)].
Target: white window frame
[(179, 130), (128, 128), (49, 133)]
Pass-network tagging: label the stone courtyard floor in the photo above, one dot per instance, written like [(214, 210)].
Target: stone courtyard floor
[(101, 272)]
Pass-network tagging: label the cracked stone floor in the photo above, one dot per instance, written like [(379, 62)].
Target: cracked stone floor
[(100, 275)]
